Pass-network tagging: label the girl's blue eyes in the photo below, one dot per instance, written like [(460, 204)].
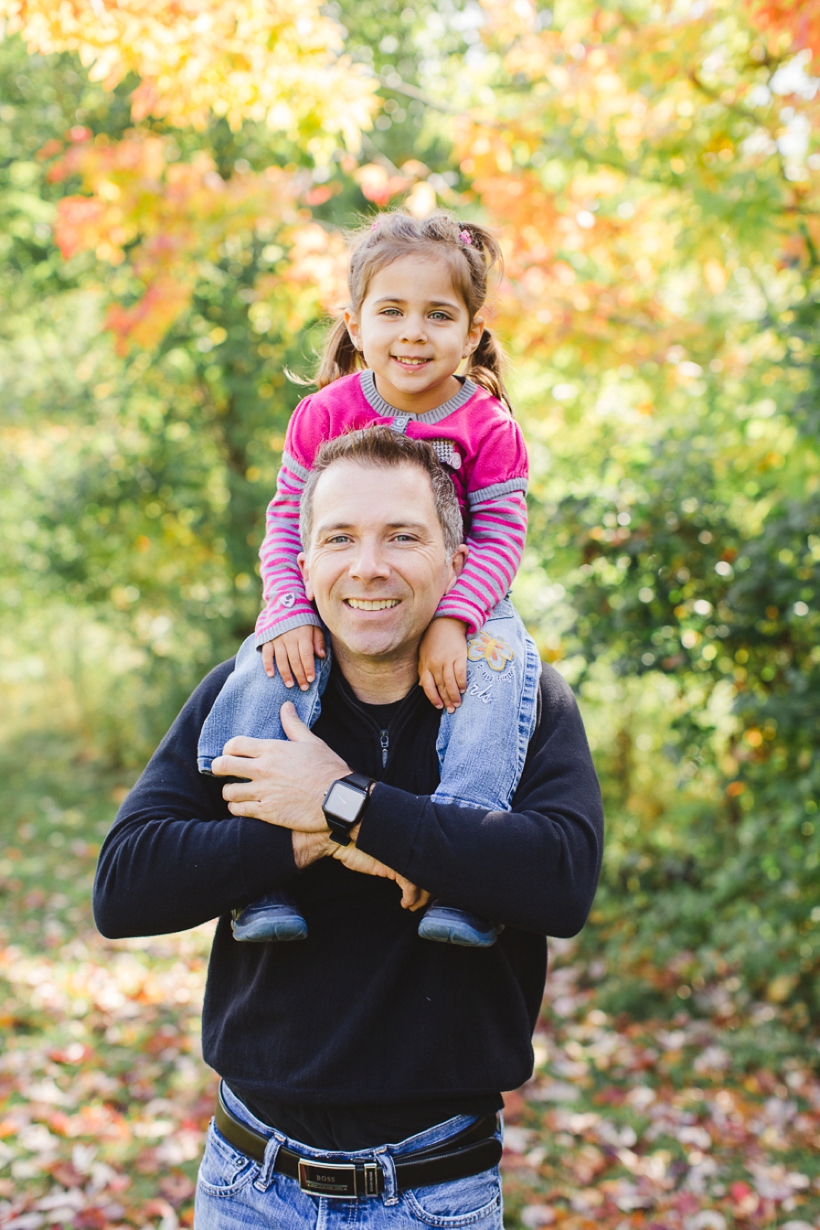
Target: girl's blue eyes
[(433, 315)]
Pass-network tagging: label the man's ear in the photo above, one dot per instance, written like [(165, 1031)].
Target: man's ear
[(304, 568), (352, 324), (457, 564)]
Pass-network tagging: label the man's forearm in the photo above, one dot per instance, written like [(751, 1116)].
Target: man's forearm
[(175, 858), (535, 867)]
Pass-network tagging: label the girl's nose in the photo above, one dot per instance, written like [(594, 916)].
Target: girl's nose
[(414, 329)]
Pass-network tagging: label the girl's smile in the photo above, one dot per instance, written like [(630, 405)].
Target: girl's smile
[(414, 330)]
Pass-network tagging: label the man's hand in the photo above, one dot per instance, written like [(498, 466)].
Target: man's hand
[(443, 662), (412, 897), (293, 654), (288, 781)]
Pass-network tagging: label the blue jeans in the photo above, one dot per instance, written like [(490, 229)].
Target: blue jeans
[(481, 747), (235, 1193)]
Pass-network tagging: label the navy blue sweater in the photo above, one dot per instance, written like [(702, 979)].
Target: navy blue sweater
[(364, 1013)]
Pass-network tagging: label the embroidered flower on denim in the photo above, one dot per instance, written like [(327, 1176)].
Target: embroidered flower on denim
[(495, 653)]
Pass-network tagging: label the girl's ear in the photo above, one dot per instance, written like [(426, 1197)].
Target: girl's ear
[(473, 336), (352, 326)]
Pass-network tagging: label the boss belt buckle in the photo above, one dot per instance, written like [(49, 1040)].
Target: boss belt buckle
[(338, 1181)]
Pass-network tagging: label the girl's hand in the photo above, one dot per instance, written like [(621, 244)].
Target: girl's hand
[(412, 897), (443, 662), (293, 653)]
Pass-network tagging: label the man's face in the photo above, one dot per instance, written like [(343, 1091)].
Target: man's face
[(376, 565)]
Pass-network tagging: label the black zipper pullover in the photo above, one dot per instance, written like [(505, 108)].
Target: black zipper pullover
[(364, 1012)]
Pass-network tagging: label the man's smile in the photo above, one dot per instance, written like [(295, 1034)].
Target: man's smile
[(372, 604)]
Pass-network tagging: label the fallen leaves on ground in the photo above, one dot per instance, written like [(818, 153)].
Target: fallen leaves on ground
[(687, 1123), (684, 1124)]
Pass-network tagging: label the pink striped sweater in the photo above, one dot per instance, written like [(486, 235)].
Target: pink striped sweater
[(475, 437)]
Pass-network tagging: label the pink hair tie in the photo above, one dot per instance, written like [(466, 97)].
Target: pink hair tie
[(466, 237), (376, 224)]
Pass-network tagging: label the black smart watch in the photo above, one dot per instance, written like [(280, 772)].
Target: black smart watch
[(345, 803)]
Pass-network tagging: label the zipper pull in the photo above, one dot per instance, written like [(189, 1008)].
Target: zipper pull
[(384, 740)]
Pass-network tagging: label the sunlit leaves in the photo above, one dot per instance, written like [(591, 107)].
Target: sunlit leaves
[(174, 218), (790, 24), (632, 164), (272, 61), (654, 174), (652, 171)]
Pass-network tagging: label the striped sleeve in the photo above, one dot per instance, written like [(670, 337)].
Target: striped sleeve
[(286, 603), (496, 541)]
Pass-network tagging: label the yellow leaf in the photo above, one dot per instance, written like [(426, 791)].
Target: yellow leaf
[(278, 61), (780, 988)]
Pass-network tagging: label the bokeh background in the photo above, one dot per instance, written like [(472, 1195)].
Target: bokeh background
[(175, 180)]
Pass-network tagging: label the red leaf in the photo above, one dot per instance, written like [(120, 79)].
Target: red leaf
[(157, 1208), (67, 1174), (514, 1105), (177, 1187), (91, 1219), (74, 1053), (50, 148)]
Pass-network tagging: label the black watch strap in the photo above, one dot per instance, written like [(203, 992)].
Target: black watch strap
[(340, 829), (359, 779)]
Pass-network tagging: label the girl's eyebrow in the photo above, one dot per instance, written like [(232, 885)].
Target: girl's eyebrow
[(431, 303)]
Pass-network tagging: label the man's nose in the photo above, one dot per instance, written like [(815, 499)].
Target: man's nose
[(371, 561)]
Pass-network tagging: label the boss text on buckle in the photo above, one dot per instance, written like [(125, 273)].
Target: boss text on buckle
[(339, 1181)]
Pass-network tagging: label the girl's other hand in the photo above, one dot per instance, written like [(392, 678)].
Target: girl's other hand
[(412, 897), (293, 654), (443, 662)]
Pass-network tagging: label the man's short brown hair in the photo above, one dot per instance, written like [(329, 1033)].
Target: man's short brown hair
[(385, 449)]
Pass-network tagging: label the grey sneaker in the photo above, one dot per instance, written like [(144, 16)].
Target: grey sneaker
[(274, 918), (446, 925)]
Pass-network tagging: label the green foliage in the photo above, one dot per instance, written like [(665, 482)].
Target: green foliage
[(671, 406), (697, 556)]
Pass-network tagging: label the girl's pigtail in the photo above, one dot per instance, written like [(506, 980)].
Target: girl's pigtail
[(482, 241), (339, 357), (485, 367)]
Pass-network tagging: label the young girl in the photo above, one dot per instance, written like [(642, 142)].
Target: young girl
[(416, 292)]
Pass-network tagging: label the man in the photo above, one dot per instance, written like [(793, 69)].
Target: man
[(363, 1034)]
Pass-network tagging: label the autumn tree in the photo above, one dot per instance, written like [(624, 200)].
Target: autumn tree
[(654, 176), (207, 255), (652, 172)]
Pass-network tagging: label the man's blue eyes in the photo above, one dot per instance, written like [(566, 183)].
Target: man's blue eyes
[(344, 539)]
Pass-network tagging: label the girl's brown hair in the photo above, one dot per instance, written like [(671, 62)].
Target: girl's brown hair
[(471, 253)]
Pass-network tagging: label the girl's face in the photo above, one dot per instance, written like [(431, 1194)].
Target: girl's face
[(413, 329)]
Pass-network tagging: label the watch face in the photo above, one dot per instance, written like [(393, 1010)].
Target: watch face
[(344, 802)]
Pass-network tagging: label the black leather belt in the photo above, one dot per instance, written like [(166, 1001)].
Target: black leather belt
[(467, 1153)]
